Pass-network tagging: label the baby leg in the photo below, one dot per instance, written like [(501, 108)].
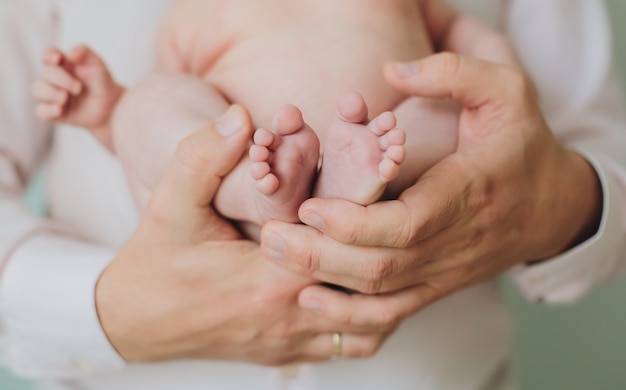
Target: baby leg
[(279, 174), (154, 116), (157, 114), (360, 158)]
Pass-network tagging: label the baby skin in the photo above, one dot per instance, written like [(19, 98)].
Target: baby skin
[(213, 59), (282, 165), (362, 157)]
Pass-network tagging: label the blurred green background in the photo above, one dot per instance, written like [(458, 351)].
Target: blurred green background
[(581, 347)]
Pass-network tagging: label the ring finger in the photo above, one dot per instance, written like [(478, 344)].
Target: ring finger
[(353, 346)]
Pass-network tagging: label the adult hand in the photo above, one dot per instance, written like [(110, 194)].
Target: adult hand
[(510, 194), (184, 287)]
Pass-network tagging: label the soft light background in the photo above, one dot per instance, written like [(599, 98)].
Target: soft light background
[(575, 348)]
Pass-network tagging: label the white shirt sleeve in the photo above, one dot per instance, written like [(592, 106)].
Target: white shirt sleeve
[(48, 322), (566, 46)]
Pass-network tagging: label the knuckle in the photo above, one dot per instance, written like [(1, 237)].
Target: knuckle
[(451, 63), (366, 348), (377, 269), (388, 319), (344, 317), (312, 258), (280, 331), (370, 287), (409, 230), (267, 295), (307, 256), (349, 234), (266, 299)]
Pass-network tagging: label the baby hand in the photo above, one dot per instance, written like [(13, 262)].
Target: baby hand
[(77, 88)]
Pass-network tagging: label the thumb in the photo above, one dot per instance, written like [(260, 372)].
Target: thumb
[(200, 162), (470, 81)]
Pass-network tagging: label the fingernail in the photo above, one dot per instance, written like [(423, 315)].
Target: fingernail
[(275, 246), (405, 69), (313, 305), (229, 123), (314, 220)]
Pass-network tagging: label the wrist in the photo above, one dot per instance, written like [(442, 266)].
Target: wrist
[(574, 194), (102, 130), (590, 201)]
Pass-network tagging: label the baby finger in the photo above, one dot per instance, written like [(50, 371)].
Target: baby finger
[(61, 78), (47, 93), (48, 112)]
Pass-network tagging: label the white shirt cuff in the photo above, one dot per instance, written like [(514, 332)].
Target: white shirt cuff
[(569, 276), (49, 322)]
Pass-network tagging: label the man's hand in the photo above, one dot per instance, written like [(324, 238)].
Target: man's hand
[(185, 286), (510, 194)]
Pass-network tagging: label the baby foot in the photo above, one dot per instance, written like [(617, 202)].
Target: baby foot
[(278, 176), (360, 158), (284, 163)]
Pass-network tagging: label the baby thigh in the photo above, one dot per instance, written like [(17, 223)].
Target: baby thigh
[(431, 134), (154, 116)]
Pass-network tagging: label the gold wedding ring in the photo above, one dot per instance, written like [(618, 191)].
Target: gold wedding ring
[(337, 345)]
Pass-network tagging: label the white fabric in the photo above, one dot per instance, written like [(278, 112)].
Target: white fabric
[(49, 328)]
